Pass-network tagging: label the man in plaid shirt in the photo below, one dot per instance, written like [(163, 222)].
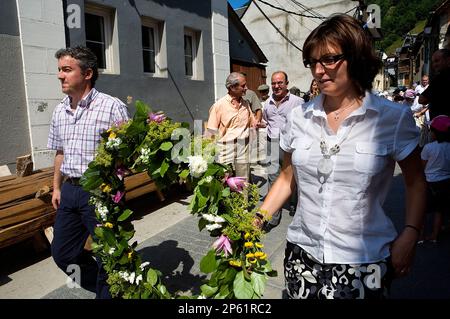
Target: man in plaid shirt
[(75, 131)]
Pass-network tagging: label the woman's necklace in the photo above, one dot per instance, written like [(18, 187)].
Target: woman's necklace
[(325, 164), (339, 111)]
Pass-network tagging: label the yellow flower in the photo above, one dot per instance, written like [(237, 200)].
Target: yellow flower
[(112, 135), (108, 225), (263, 256), (109, 130), (259, 245), (235, 263), (248, 244), (105, 188), (250, 255), (130, 254), (246, 236), (259, 254)]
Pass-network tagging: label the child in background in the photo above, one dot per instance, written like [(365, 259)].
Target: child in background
[(436, 160)]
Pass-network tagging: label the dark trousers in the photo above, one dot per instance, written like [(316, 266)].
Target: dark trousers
[(75, 220)]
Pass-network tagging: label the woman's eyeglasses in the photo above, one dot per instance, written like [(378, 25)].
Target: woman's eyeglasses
[(327, 61)]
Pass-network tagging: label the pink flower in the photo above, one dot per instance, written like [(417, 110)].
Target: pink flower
[(116, 198), (237, 183), (119, 123), (156, 117), (223, 244), (121, 172)]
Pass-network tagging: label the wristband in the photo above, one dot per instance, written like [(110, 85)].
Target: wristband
[(259, 215), (414, 227)]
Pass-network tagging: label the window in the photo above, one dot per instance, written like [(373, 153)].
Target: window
[(154, 51), (148, 49), (193, 54), (151, 48), (101, 36), (95, 37), (189, 53)]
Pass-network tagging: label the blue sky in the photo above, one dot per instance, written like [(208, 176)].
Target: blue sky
[(237, 3)]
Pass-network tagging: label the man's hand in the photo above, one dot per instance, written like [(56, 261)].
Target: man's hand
[(56, 198)]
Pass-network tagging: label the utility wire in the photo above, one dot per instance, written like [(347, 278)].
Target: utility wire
[(314, 13), (287, 11), (298, 21), (276, 28)]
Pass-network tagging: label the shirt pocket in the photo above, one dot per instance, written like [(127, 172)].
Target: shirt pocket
[(370, 158), (301, 151)]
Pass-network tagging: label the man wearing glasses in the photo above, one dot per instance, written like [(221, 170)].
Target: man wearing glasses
[(275, 111)]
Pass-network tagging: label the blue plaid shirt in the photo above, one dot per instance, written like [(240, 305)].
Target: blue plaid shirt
[(77, 132)]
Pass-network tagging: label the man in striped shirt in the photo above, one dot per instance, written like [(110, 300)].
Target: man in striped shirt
[(75, 131)]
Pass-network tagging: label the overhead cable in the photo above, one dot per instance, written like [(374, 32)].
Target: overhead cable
[(276, 28), (290, 12)]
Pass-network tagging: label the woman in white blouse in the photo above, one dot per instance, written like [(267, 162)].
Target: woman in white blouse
[(341, 150)]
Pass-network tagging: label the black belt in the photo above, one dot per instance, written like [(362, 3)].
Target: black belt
[(72, 180)]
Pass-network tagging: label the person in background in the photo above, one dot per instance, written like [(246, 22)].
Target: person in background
[(230, 119), (408, 99), (436, 161), (436, 93), (340, 153), (276, 109), (422, 109), (75, 129), (313, 91), (263, 90), (295, 90)]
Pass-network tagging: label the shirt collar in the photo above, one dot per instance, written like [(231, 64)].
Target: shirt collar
[(85, 102), (370, 102), (284, 99)]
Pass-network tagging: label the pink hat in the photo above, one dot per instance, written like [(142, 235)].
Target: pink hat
[(441, 123), (409, 94)]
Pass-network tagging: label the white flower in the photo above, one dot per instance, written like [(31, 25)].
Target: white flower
[(111, 250), (219, 219), (209, 217), (211, 227), (143, 265), (208, 179), (197, 165), (113, 143), (144, 157), (201, 297), (131, 278), (138, 279), (101, 210)]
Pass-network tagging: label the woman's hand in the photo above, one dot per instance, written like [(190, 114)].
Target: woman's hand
[(403, 249)]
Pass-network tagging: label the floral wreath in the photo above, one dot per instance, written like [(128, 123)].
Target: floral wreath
[(226, 206)]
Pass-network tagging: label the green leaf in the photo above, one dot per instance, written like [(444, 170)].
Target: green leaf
[(142, 110), (127, 213), (208, 263), (166, 146), (223, 293), (258, 283), (152, 277), (108, 235), (202, 223), (164, 167), (184, 174), (226, 192), (208, 291), (242, 288)]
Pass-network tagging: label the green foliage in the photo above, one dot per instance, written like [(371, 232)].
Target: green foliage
[(398, 17), (237, 265)]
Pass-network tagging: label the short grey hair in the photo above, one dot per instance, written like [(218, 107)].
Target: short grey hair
[(233, 79)]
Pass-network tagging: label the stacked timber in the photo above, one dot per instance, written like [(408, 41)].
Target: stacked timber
[(25, 202), (25, 206)]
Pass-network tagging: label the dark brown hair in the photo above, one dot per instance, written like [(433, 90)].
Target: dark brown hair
[(345, 32), (85, 57)]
